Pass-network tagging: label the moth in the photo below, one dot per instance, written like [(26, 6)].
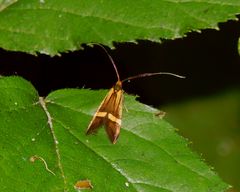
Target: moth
[(109, 112)]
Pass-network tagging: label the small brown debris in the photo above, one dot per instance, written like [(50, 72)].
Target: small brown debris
[(83, 184)]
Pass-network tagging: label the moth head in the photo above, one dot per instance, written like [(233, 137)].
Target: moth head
[(118, 86)]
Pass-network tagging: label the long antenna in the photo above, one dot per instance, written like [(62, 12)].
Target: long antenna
[(136, 76), (151, 74), (111, 59)]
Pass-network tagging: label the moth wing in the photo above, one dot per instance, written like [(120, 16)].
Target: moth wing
[(99, 117), (94, 125), (114, 116), (113, 130)]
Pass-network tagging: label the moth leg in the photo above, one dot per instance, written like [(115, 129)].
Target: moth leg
[(125, 107)]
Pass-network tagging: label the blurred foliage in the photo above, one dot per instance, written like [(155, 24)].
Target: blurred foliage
[(213, 125)]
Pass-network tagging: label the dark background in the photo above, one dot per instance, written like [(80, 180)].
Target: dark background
[(209, 60)]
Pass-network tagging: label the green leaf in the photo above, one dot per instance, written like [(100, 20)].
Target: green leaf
[(149, 156), (5, 3), (219, 114), (52, 26)]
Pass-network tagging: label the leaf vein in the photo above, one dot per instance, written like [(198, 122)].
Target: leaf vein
[(172, 156), (91, 149)]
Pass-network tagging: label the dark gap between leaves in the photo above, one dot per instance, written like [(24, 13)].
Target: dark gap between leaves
[(209, 60)]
